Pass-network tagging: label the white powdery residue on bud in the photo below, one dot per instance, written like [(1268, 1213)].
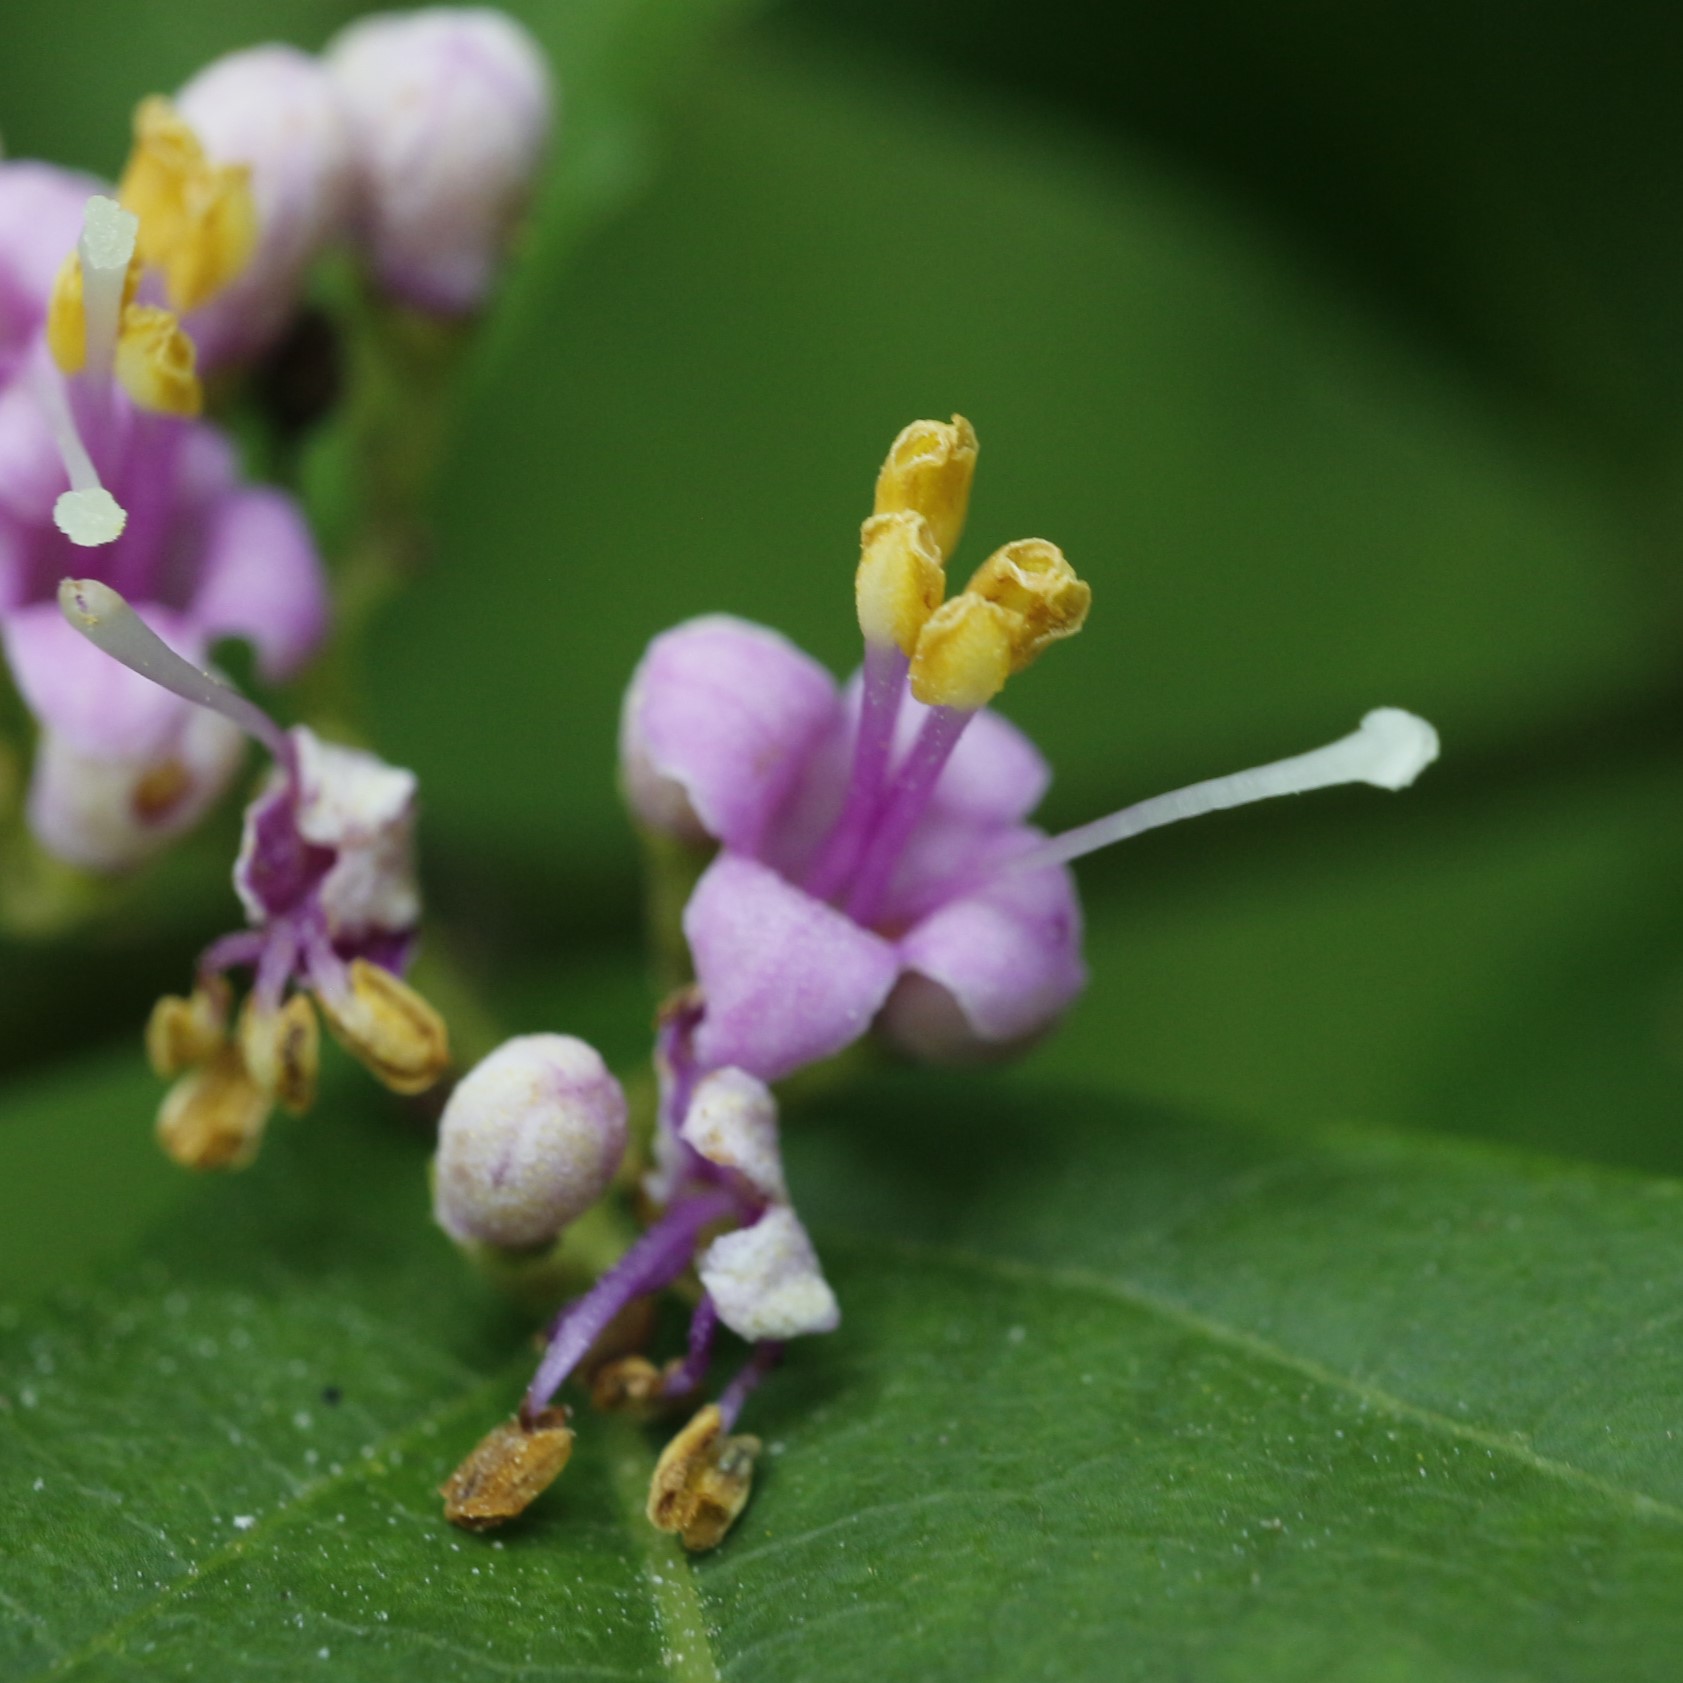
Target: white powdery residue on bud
[(766, 1280), (273, 109), (529, 1140), (362, 808), (449, 110), (732, 1121)]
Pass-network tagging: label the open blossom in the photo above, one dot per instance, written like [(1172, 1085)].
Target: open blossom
[(326, 876), (875, 866), (100, 452), (449, 110), (876, 862)]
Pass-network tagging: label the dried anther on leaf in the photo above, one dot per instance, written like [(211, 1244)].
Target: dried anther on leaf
[(632, 1385), (702, 1481), (509, 1468)]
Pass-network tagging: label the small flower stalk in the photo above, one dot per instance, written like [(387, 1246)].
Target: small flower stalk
[(326, 876)]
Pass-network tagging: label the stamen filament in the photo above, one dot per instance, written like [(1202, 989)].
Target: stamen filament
[(109, 623), (879, 708), (1389, 751), (766, 1356), (688, 1375), (907, 800), (655, 1261)]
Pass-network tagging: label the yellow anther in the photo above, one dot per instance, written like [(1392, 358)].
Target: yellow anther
[(282, 1050), (702, 1481), (156, 362), (964, 654), (928, 471), (1031, 578), (390, 1028), (67, 321), (507, 1470), (183, 1032), (198, 221), (213, 1118), (899, 583)]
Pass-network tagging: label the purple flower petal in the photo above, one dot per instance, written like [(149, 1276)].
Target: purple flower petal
[(1007, 956), (96, 704), (787, 980), (263, 580), (110, 814), (720, 720)]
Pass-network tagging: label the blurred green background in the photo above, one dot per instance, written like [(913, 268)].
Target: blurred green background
[(1340, 348)]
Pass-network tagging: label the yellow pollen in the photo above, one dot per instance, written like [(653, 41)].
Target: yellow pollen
[(507, 1470), (964, 653), (183, 1032), (1032, 580), (391, 1028), (282, 1049), (198, 220), (702, 1481), (213, 1117), (156, 362), (899, 583), (928, 471)]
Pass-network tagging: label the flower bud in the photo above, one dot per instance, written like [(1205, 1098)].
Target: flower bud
[(449, 110), (274, 110), (529, 1140)]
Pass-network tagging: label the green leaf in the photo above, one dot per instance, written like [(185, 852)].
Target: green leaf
[(1118, 1393)]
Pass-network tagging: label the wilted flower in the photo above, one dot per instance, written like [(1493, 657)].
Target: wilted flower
[(326, 876), (449, 111)]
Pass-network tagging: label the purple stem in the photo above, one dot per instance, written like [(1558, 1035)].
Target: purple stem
[(244, 946), (656, 1260), (766, 1356), (275, 967), (906, 802), (704, 1323), (884, 684)]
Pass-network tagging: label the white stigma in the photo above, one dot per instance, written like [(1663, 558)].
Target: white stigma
[(90, 516), (109, 623), (1389, 751), (106, 249)]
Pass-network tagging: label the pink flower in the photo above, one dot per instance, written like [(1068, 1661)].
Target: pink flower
[(85, 469)]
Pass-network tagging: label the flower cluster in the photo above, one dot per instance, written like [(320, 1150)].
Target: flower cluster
[(862, 858), (874, 870), (414, 141)]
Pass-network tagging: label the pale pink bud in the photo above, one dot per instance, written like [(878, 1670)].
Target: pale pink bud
[(529, 1140), (273, 109), (449, 111)]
